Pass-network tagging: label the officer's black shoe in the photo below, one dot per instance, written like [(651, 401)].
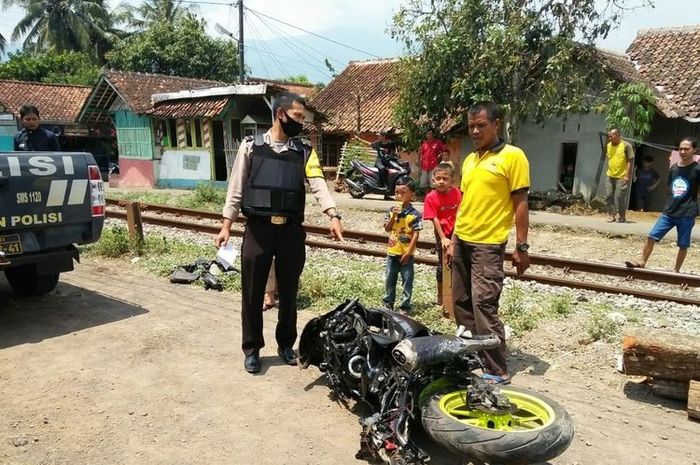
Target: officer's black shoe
[(288, 356), (252, 362)]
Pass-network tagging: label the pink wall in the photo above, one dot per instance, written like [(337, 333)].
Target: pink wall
[(136, 173)]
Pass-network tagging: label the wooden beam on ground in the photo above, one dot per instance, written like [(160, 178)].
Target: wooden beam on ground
[(661, 355), (694, 400)]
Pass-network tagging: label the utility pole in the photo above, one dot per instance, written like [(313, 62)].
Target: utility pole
[(241, 62)]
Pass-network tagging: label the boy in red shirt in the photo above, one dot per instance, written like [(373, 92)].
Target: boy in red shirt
[(440, 207), (432, 151)]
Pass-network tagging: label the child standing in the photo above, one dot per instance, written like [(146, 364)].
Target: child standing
[(440, 207), (403, 223)]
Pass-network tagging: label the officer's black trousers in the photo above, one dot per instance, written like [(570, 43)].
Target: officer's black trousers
[(263, 240)]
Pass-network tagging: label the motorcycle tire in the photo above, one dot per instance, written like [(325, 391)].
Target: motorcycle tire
[(539, 431), (355, 193)]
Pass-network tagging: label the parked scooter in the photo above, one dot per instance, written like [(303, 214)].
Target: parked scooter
[(362, 178)]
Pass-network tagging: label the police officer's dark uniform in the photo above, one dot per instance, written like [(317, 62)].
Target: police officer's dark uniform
[(269, 179), (37, 140)]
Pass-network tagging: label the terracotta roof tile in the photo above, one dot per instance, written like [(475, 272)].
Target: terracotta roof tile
[(190, 108), (371, 80), (619, 66), (57, 103), (136, 88), (668, 59)]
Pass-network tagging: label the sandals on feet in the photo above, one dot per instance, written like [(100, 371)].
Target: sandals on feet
[(633, 265), (495, 379)]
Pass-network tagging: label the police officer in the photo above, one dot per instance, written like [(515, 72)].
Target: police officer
[(267, 186), (33, 138)]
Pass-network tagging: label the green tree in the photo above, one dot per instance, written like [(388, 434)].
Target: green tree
[(630, 108), (77, 25), (299, 79), (151, 12), (51, 66), (181, 48), (534, 57)]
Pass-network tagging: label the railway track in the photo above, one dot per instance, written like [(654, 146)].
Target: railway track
[(162, 215)]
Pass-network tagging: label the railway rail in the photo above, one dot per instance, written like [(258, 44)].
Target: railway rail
[(361, 238)]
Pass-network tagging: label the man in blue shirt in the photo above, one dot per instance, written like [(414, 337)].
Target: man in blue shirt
[(33, 138)]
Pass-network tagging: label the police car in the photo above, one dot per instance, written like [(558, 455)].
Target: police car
[(49, 202)]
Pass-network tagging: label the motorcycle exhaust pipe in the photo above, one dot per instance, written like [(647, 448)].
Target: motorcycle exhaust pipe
[(352, 184), (421, 352)]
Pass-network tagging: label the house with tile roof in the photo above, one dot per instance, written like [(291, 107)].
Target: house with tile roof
[(359, 101), (58, 104), (177, 132)]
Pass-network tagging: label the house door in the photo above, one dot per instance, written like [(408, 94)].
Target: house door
[(219, 152)]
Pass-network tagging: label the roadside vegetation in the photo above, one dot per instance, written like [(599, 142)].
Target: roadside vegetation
[(329, 278), (204, 197)]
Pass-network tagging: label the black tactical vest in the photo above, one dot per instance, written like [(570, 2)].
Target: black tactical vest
[(275, 185)]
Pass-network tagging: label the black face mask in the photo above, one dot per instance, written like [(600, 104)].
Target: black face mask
[(291, 127)]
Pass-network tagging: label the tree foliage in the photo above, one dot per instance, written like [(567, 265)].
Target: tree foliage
[(151, 12), (65, 25), (534, 57), (299, 79), (51, 66), (181, 48), (630, 108)]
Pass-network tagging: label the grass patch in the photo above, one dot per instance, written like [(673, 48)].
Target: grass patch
[(113, 243), (523, 311), (205, 196), (600, 326)]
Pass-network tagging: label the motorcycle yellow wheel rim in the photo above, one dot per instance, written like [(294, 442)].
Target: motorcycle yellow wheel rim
[(532, 413)]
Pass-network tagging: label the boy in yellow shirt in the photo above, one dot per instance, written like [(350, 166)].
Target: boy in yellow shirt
[(403, 223)]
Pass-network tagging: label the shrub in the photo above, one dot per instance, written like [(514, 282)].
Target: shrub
[(113, 243)]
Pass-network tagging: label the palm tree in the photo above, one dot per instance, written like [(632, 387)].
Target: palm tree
[(153, 11), (3, 43), (78, 25)]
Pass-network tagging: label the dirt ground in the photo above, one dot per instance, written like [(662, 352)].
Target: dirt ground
[(120, 367)]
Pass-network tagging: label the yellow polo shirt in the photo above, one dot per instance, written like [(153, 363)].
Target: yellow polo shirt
[(486, 212), (617, 158)]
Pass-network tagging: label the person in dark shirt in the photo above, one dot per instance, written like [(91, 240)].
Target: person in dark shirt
[(566, 180), (385, 147), (681, 207), (647, 180), (33, 138)]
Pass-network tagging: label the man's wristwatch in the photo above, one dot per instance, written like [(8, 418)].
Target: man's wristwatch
[(335, 215), (522, 247)]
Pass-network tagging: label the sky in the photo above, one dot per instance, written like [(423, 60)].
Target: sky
[(275, 50)]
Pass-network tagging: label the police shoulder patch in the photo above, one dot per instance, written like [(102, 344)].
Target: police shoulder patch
[(313, 166)]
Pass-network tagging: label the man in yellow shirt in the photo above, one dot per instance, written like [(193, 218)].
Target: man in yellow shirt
[(620, 157), (495, 183)]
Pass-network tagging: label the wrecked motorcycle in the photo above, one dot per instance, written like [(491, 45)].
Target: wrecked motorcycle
[(408, 375)]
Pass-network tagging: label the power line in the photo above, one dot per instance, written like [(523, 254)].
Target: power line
[(203, 2), (256, 33), (312, 33), (291, 47)]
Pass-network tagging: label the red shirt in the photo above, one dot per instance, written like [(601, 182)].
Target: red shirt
[(443, 207), (429, 151)]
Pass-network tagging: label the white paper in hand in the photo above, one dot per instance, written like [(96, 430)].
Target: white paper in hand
[(227, 256)]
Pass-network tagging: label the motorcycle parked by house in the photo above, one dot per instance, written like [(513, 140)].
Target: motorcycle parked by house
[(362, 178), (408, 376)]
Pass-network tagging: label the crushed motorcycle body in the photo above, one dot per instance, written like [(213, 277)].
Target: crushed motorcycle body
[(409, 377)]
